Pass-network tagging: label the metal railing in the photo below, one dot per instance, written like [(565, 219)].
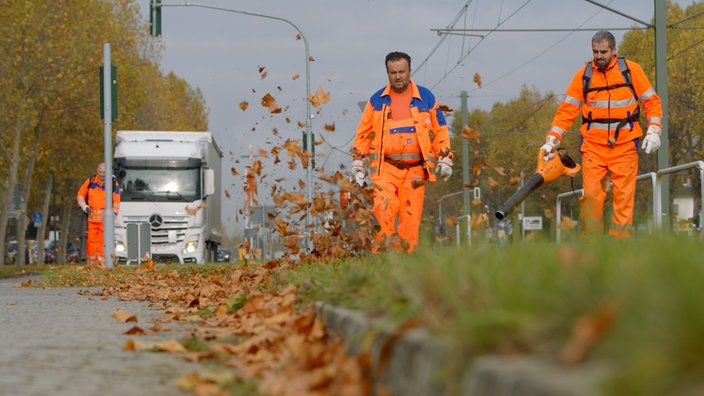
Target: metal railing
[(656, 181)]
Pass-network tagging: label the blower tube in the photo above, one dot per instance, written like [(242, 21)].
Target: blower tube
[(533, 183)]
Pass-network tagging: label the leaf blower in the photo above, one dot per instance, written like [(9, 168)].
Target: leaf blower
[(559, 165)]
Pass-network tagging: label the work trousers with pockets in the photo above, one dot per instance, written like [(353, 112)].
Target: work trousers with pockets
[(621, 162), (399, 194), (95, 251)]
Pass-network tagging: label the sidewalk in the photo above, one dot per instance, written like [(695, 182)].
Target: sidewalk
[(57, 342)]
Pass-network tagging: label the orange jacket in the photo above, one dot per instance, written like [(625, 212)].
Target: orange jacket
[(431, 129), (94, 194), (608, 108)]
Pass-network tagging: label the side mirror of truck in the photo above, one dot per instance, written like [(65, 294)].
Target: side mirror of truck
[(209, 176)]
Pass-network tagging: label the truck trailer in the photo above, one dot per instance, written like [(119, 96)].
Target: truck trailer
[(170, 184)]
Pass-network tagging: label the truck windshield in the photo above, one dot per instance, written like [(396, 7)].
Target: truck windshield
[(160, 184)]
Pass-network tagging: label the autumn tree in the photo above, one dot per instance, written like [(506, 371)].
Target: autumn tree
[(49, 59)]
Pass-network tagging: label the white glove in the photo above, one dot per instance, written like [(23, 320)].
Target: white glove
[(652, 139), (359, 172), (551, 143), (444, 168)]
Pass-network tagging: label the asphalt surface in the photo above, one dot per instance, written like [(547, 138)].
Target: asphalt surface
[(58, 342)]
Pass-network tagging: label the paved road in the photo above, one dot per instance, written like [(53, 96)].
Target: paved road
[(57, 342)]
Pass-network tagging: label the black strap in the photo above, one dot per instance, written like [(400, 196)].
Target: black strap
[(625, 72), (402, 164)]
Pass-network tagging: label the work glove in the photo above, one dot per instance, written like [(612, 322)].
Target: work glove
[(444, 168), (551, 143), (359, 172), (652, 139), (85, 208)]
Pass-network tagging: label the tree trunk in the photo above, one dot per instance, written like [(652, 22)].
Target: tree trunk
[(47, 217), (65, 225)]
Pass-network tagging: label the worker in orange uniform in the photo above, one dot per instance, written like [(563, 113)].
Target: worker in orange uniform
[(607, 91), (91, 199), (403, 140)]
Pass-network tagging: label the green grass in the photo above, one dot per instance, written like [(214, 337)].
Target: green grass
[(526, 298)]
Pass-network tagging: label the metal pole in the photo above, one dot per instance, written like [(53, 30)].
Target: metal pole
[(308, 138), (108, 217), (465, 154), (661, 85)]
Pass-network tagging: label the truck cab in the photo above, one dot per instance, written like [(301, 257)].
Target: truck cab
[(170, 197)]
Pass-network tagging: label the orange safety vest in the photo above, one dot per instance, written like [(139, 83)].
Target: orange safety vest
[(609, 105), (94, 193), (429, 126)]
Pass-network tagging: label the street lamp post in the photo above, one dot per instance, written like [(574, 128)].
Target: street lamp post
[(440, 203), (308, 135)]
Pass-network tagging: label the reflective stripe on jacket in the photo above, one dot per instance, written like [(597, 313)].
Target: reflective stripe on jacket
[(94, 193), (608, 108), (430, 127)]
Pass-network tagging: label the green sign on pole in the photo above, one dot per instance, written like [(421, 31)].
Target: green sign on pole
[(113, 93)]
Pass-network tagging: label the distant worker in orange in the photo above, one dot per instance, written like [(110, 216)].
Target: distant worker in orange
[(607, 92), (91, 199), (403, 140)]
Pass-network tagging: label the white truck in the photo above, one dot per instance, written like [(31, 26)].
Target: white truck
[(170, 185)]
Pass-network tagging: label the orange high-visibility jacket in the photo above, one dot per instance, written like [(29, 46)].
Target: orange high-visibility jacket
[(607, 107), (430, 125), (94, 194)]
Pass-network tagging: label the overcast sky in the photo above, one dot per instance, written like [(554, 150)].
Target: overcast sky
[(235, 58)]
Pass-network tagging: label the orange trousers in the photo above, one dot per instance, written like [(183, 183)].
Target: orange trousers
[(622, 164), (95, 250), (398, 203)]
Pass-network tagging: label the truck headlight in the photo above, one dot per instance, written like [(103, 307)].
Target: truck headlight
[(119, 247), (190, 247)]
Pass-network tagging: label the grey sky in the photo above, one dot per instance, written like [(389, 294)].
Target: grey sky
[(221, 53)]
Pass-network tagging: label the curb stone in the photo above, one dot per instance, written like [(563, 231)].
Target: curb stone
[(418, 364)]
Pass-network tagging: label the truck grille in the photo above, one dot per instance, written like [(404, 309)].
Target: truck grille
[(164, 230)]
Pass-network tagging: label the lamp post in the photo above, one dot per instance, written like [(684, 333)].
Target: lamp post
[(308, 135), (440, 203)]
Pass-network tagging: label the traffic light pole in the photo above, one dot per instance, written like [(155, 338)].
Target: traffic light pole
[(308, 138)]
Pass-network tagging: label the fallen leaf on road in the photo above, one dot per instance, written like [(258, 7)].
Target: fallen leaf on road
[(124, 317), (135, 330)]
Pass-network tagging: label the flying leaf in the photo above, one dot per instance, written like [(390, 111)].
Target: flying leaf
[(244, 105), (470, 133), (477, 80), (445, 108), (319, 98), (269, 102)]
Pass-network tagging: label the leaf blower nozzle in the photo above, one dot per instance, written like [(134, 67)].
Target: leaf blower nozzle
[(547, 171)]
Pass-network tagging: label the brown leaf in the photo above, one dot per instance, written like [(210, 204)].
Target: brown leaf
[(135, 330), (470, 133), (269, 102), (587, 332), (567, 224), (122, 316), (477, 80), (319, 98), (417, 182), (244, 105), (445, 108)]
